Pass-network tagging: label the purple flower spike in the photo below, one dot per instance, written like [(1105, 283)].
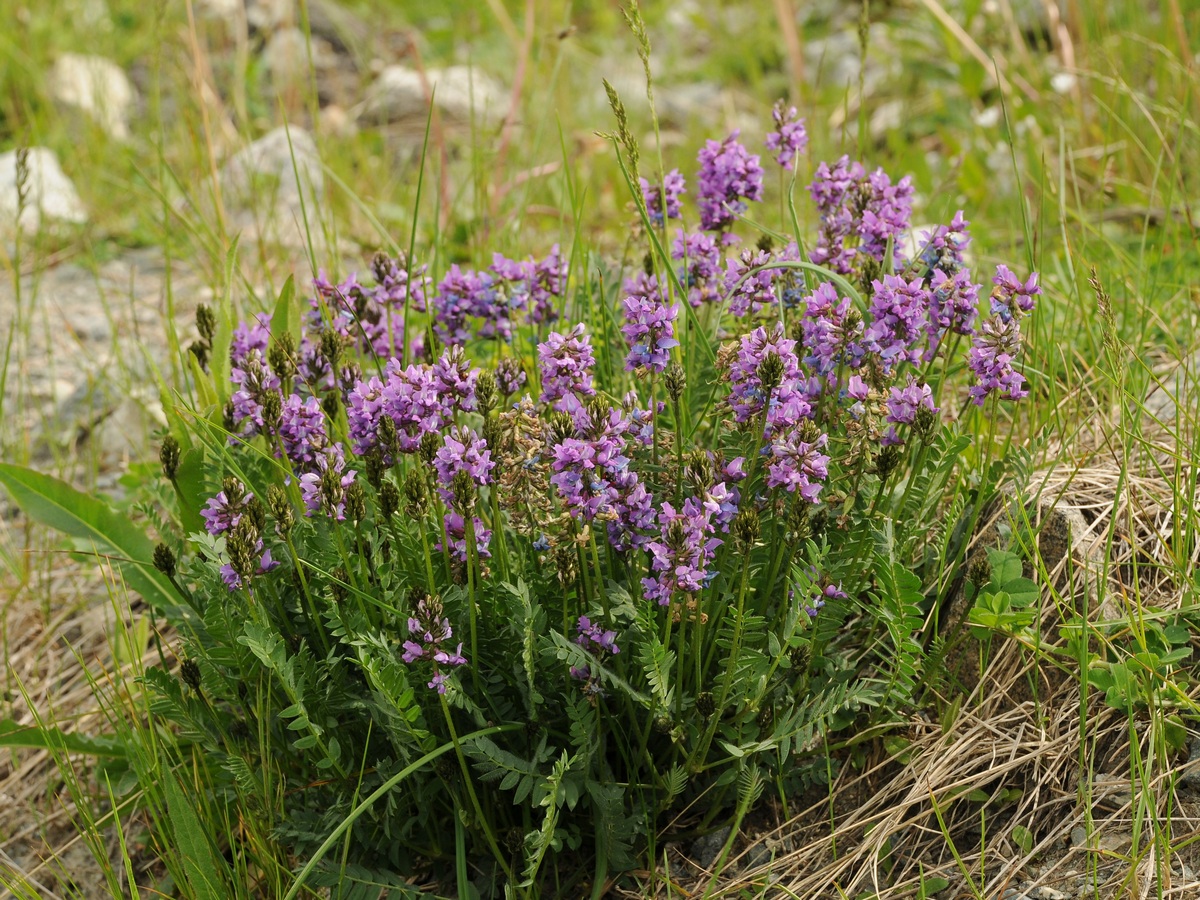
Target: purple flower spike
[(701, 258), (324, 488), (729, 176), (462, 450), (859, 214), (302, 431), (798, 466), (791, 139), (681, 555), (671, 189), (649, 327), (756, 291), (566, 361), (593, 636), (899, 310), (429, 636)]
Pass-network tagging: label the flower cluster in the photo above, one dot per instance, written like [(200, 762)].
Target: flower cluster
[(680, 557), (701, 265), (790, 138), (429, 636), (765, 377), (670, 191), (566, 361), (484, 304), (998, 343), (729, 176), (860, 214), (649, 327)]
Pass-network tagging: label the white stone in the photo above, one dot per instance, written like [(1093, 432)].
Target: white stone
[(272, 185), (96, 86), (50, 196), (461, 93)]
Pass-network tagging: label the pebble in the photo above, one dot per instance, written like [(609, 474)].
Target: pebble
[(98, 88), (705, 850), (50, 195), (463, 94), (1190, 779), (281, 168)]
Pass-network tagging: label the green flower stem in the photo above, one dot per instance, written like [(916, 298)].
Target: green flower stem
[(600, 590), (466, 771), (472, 565), (432, 586), (727, 681)]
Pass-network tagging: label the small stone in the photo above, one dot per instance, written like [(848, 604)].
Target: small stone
[(1078, 836), (706, 849), (1041, 892), (1190, 779), (757, 856), (283, 168), (96, 86), (50, 195), (462, 94)]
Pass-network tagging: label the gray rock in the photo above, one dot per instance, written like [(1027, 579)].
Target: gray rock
[(273, 183), (1190, 779), (705, 850), (1180, 384), (50, 197), (462, 95), (98, 88)]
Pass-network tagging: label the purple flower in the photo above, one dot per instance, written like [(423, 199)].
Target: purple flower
[(432, 633), (819, 596), (302, 430), (859, 214), (944, 246), (749, 293), (952, 307), (462, 450), (1011, 296), (903, 403), (456, 535), (997, 345), (510, 377), (462, 295), (680, 557), (729, 176), (419, 400), (797, 465), (791, 138), (233, 580), (899, 312), (701, 267), (456, 379), (649, 327), (222, 513), (671, 189), (633, 512), (593, 636), (748, 395), (565, 361), (828, 334), (250, 338), (546, 284), (324, 489), (588, 465)]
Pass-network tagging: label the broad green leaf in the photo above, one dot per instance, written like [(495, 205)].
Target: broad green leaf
[(46, 738), (286, 316), (94, 524), (200, 863)]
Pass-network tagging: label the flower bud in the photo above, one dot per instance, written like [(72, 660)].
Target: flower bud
[(770, 372), (330, 404), (385, 435), (887, 460), (281, 508), (356, 502), (979, 572), (746, 528), (485, 392), (462, 486), (706, 705), (926, 424), (272, 410), (373, 467), (189, 674), (199, 349), (242, 546), (206, 324), (331, 347), (428, 447), (164, 560), (282, 356), (416, 498), (675, 381), (257, 514), (169, 455), (389, 499)]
